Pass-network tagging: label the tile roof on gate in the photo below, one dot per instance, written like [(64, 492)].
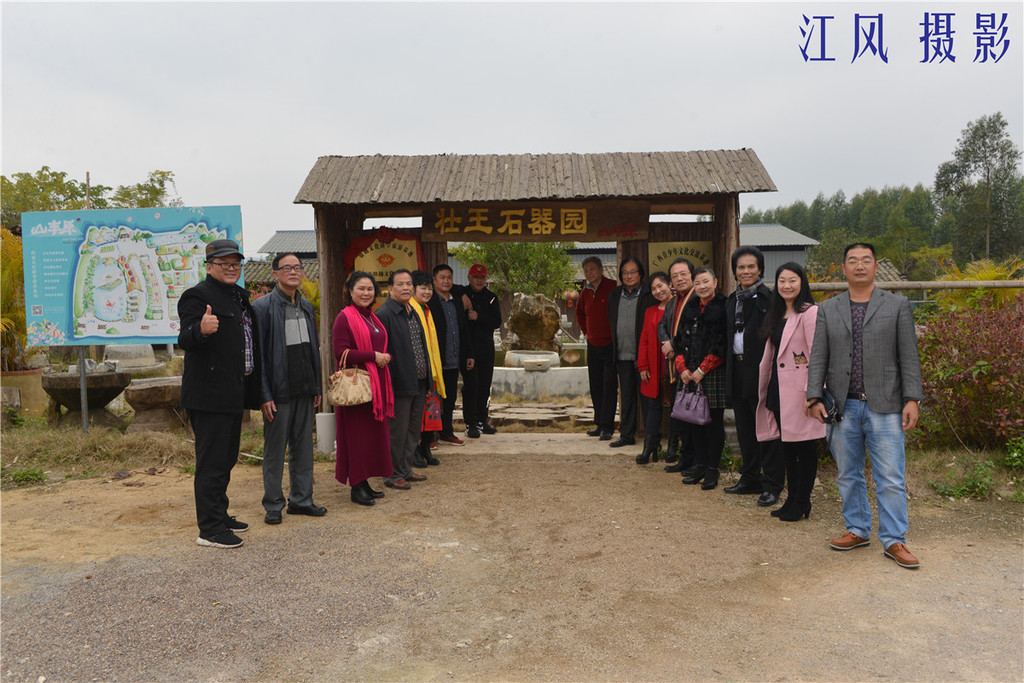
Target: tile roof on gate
[(395, 179)]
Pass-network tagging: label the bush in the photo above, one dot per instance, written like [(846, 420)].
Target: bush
[(978, 482), (1014, 459), (25, 476), (972, 365)]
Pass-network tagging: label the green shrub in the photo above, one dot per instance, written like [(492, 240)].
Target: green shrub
[(25, 477), (1014, 459), (15, 418), (977, 482)]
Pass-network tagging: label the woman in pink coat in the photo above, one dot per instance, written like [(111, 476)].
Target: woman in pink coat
[(788, 329)]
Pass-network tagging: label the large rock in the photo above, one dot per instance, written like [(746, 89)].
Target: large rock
[(535, 321), (130, 356), (155, 402)]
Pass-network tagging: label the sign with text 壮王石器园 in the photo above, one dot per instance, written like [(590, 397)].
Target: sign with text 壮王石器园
[(539, 221), (115, 276)]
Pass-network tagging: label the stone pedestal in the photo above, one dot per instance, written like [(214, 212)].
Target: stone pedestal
[(155, 402), (101, 389)]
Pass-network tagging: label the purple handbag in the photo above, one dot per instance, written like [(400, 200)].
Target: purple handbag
[(692, 406)]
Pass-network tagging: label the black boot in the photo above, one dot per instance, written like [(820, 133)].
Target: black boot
[(792, 485), (672, 451), (373, 493), (360, 496), (650, 447), (655, 448), (677, 467), (418, 459), (710, 479), (694, 475)]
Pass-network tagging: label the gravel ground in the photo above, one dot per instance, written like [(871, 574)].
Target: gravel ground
[(524, 557)]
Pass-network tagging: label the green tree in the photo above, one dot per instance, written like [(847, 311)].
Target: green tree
[(528, 267), (983, 189), (49, 190), (825, 258)]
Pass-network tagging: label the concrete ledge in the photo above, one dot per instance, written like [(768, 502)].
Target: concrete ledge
[(533, 385)]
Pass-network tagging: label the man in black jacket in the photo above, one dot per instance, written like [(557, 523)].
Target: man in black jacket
[(763, 470), (410, 376), (221, 380), (627, 304), (290, 390), (453, 339), (484, 314)]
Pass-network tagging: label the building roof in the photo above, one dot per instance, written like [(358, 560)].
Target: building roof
[(773, 235), (382, 179), (259, 272), (302, 241)]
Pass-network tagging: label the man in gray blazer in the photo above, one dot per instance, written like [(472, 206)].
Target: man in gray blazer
[(865, 352)]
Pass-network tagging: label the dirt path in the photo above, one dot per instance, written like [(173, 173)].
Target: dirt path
[(524, 557)]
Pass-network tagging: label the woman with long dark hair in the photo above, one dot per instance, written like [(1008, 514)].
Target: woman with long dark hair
[(650, 361), (788, 331), (363, 437), (700, 351)]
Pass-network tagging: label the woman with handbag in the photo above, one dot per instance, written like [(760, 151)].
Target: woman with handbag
[(363, 438), (699, 345), (788, 330), (650, 361)]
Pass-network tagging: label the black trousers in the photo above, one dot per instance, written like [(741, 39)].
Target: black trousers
[(652, 418), (629, 390), (763, 463), (476, 387), (709, 440), (603, 384), (451, 387), (217, 440)]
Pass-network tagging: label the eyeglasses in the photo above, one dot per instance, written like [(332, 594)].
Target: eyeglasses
[(227, 265), (631, 272), (290, 269), (866, 261)]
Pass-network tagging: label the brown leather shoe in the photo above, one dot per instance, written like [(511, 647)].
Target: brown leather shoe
[(398, 484), (848, 541), (417, 477), (900, 555)]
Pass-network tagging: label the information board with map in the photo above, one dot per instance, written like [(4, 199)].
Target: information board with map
[(115, 276)]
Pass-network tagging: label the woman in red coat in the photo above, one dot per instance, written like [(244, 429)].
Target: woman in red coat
[(363, 437), (653, 369), (788, 329)]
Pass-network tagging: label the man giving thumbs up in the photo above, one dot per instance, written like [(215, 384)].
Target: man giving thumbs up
[(220, 381)]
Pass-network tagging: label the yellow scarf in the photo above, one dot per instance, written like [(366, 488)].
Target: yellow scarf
[(433, 348)]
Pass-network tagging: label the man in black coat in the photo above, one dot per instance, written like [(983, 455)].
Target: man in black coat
[(453, 339), (764, 469), (484, 314), (627, 304), (410, 377), (220, 381)]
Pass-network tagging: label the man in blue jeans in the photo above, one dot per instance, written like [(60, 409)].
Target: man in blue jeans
[(865, 351)]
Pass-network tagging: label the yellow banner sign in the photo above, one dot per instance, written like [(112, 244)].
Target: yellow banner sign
[(662, 254), (536, 222)]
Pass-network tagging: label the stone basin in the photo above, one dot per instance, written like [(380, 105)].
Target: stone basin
[(533, 360), (100, 389)]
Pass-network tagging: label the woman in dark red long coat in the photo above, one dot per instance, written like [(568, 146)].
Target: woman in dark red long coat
[(363, 438)]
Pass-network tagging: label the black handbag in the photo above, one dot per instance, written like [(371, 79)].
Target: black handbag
[(832, 416)]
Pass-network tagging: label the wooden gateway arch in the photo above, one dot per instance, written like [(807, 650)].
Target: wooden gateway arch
[(528, 197)]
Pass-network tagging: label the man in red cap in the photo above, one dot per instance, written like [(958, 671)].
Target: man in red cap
[(484, 314)]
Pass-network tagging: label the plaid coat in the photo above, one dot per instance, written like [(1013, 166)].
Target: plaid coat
[(703, 333)]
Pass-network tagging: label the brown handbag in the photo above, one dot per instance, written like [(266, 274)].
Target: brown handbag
[(349, 386)]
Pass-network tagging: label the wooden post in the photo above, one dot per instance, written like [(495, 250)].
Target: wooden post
[(335, 226), (728, 239)]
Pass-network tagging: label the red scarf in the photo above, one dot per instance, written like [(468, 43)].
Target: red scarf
[(383, 400)]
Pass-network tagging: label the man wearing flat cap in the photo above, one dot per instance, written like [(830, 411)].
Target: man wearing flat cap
[(220, 381)]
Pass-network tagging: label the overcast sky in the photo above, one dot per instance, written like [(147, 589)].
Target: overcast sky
[(239, 99)]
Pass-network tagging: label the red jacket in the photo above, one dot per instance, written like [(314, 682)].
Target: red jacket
[(648, 355), (592, 313)]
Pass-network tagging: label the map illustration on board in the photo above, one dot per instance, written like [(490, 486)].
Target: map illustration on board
[(101, 279)]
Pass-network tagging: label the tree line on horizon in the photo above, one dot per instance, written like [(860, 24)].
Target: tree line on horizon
[(973, 211)]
